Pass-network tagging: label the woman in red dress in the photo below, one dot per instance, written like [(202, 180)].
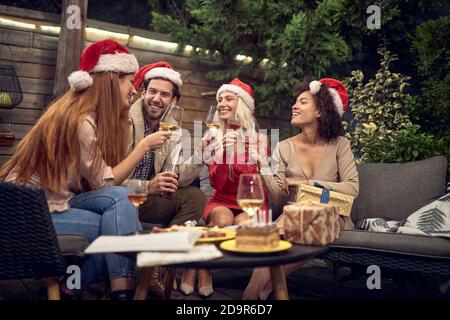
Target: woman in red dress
[(229, 159)]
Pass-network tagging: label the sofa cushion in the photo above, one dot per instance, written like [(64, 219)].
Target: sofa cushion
[(72, 245), (431, 247), (393, 191)]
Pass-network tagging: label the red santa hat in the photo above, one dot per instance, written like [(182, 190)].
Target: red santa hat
[(243, 90), (159, 69), (336, 89), (102, 56)]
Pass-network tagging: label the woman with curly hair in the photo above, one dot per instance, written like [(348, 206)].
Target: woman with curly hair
[(318, 154)]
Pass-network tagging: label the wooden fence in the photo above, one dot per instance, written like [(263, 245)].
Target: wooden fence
[(33, 51)]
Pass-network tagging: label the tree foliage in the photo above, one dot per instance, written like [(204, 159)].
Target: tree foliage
[(298, 38), (431, 46), (381, 130), (286, 41)]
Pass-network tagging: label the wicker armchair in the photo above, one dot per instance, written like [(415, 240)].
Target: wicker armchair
[(29, 246)]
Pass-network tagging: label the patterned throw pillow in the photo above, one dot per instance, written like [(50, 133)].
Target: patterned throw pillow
[(433, 219)]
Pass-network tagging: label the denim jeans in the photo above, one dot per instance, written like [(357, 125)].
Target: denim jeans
[(101, 212)]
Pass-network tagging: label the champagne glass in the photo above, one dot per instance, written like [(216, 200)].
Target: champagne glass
[(212, 119), (250, 195), (137, 191), (171, 120), (213, 123)]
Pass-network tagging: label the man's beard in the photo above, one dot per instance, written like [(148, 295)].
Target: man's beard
[(151, 116)]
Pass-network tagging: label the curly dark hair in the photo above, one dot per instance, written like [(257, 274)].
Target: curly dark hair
[(330, 123)]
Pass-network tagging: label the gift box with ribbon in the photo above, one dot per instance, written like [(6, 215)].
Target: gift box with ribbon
[(304, 193), (311, 223)]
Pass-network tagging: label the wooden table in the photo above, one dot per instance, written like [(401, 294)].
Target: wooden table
[(274, 261)]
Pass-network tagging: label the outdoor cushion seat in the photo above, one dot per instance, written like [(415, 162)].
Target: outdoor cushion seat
[(72, 245), (432, 247), (393, 191)]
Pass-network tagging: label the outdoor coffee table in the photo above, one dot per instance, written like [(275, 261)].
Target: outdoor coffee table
[(274, 261)]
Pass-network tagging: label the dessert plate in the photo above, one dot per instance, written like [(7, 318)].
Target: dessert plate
[(228, 235), (230, 245)]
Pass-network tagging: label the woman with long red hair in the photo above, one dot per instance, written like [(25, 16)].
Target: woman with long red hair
[(78, 153)]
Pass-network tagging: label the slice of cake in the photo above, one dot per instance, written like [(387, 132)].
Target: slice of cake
[(256, 237), (214, 232)]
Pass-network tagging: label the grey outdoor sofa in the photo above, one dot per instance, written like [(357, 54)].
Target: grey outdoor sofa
[(393, 192)]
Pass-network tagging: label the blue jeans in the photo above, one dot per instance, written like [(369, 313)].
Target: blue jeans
[(101, 212)]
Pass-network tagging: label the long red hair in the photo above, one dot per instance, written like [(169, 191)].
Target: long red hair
[(51, 149)]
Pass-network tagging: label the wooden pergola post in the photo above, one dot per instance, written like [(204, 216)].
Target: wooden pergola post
[(70, 44)]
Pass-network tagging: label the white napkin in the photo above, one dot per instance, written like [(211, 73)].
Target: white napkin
[(170, 241), (198, 253)]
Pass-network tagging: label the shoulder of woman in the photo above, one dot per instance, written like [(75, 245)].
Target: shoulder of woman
[(285, 148), (87, 127), (342, 142), (285, 144)]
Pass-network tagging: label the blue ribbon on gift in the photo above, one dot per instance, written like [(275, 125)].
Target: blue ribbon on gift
[(325, 196)]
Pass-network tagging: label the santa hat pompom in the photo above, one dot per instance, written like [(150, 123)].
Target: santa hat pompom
[(80, 80), (314, 86)]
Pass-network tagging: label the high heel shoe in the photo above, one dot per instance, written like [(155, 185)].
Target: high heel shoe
[(185, 288), (206, 290)]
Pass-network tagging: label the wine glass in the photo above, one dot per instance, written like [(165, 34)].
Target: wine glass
[(171, 120), (212, 119), (250, 195), (137, 191), (234, 122)]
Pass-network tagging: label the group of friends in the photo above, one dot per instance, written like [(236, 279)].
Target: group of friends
[(93, 139)]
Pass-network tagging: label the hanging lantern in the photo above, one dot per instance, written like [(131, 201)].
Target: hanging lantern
[(10, 91)]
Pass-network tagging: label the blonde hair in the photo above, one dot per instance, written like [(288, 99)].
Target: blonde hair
[(51, 149), (245, 116)]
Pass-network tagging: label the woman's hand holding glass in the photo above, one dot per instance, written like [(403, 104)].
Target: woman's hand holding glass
[(155, 140), (211, 148)]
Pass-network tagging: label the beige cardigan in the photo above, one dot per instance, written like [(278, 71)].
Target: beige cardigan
[(188, 171), (337, 169)]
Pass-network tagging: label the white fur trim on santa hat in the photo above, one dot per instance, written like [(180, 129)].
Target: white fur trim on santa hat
[(337, 100), (165, 73), (244, 95), (314, 86), (79, 80), (118, 62)]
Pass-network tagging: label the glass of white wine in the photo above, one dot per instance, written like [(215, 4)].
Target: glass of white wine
[(212, 119), (172, 120), (137, 191), (250, 195)]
